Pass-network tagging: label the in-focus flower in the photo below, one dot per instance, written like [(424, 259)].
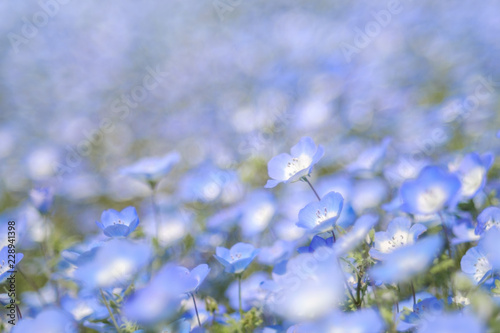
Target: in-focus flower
[(152, 169), (321, 216), (399, 233), (472, 173), (431, 191), (475, 264), (285, 168), (5, 266), (489, 218), (49, 320), (316, 242), (405, 262), (116, 224), (114, 264), (236, 259), (42, 198)]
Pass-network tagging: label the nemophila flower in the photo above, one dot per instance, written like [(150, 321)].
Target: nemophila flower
[(370, 160), (490, 244), (489, 218), (42, 198), (208, 183), (308, 287), (464, 231), (257, 212), (456, 322), (356, 235), (476, 265), (405, 262), (159, 299), (191, 280), (321, 216), (279, 251), (433, 189), (114, 264), (252, 295), (426, 309), (49, 320), (361, 321), (285, 168), (399, 233), (236, 259), (116, 224), (84, 307), (152, 169), (472, 172), (5, 265), (316, 242)]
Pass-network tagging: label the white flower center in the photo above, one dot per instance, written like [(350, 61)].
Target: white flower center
[(431, 200), (482, 266), (297, 164), (472, 180)]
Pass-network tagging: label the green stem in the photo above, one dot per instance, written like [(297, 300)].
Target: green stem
[(312, 188), (239, 296), (413, 292), (155, 209), (196, 309), (110, 312), (33, 285)]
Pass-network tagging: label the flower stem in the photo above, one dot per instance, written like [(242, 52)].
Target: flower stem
[(333, 234), (413, 292), (110, 312), (155, 210), (239, 296), (312, 188), (196, 309), (33, 285)]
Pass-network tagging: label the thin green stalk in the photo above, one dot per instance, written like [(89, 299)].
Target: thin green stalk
[(239, 295), (110, 312), (312, 188), (413, 292), (196, 309)]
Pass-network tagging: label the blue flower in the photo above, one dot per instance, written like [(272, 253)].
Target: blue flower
[(152, 169), (401, 264), (115, 264), (5, 267), (321, 216), (472, 173), (489, 218), (426, 309), (49, 320), (475, 264), (279, 251), (285, 168), (457, 322), (361, 321), (258, 210), (316, 242), (431, 191), (191, 280), (399, 233), (370, 160), (42, 198), (236, 259), (116, 224)]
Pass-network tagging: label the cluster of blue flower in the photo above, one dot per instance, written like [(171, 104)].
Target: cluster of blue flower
[(348, 278)]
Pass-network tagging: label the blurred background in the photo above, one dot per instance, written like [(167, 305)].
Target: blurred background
[(90, 87)]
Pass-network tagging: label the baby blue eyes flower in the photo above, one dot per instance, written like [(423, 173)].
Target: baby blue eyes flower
[(152, 169), (475, 264), (401, 264), (321, 216), (116, 224), (472, 173), (431, 191), (399, 233), (489, 217), (49, 320), (191, 280), (236, 259), (4, 263), (42, 198), (285, 168), (457, 322), (316, 242)]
